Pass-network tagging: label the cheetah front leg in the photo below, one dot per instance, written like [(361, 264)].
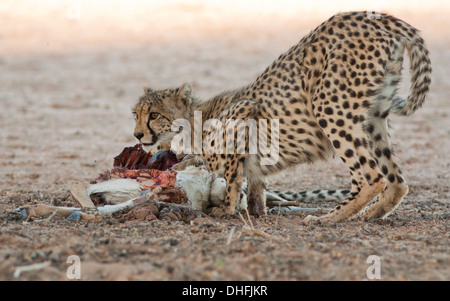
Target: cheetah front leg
[(233, 175), (256, 198)]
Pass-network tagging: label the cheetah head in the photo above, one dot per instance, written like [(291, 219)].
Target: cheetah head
[(156, 111)]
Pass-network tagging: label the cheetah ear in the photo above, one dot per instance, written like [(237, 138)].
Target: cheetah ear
[(184, 94), (185, 90), (148, 90)]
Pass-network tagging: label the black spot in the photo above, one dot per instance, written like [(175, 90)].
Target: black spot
[(387, 152), (377, 137), (349, 153), (385, 114), (391, 178), (336, 144), (366, 104), (323, 123), (328, 111), (362, 160), (346, 105), (378, 152), (340, 122)]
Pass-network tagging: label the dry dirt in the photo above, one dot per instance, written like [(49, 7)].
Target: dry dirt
[(67, 88)]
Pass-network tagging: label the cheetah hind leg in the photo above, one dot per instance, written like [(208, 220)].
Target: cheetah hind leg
[(367, 180), (396, 187)]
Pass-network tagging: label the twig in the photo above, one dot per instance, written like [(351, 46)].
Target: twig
[(242, 218), (250, 229), (276, 221), (230, 236), (249, 219)]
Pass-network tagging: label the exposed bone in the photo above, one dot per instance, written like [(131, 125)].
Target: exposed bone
[(196, 182), (115, 191), (78, 191), (33, 267), (46, 220)]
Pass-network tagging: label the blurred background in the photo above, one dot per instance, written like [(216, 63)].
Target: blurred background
[(71, 70)]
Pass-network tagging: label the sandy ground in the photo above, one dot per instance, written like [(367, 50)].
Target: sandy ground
[(69, 77)]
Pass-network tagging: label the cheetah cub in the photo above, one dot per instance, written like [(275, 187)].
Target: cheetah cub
[(330, 93)]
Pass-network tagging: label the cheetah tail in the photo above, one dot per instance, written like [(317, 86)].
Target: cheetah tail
[(309, 196), (420, 70)]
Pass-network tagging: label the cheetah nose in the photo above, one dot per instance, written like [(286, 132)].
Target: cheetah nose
[(139, 135)]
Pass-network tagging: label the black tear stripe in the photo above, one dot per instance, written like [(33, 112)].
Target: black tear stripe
[(152, 132)]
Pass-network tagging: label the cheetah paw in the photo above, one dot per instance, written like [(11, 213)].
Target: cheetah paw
[(311, 219), (218, 212)]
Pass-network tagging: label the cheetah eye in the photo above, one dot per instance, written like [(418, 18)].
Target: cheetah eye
[(135, 116), (153, 116)]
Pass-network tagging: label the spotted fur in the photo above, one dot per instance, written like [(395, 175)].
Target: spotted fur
[(331, 93)]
